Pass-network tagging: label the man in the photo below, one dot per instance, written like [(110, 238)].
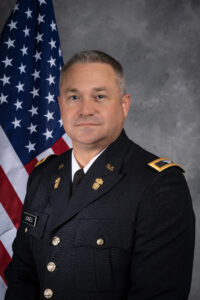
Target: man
[(125, 230)]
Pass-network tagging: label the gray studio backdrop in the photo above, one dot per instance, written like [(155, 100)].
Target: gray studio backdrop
[(158, 43)]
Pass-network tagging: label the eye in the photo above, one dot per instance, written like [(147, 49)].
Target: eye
[(100, 96), (73, 97)]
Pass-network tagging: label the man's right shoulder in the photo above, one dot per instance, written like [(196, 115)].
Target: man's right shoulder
[(42, 175), (47, 158), (48, 164)]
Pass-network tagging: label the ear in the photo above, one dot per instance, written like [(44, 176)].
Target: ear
[(126, 102)]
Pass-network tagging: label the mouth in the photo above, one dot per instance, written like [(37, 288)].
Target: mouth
[(86, 124)]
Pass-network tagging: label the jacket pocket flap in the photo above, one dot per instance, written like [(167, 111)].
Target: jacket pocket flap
[(103, 234)]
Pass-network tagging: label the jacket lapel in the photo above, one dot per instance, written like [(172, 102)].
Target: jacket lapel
[(60, 189), (105, 172)]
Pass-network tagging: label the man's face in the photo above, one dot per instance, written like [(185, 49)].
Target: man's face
[(92, 109)]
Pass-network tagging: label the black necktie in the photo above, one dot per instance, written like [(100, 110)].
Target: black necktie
[(77, 179)]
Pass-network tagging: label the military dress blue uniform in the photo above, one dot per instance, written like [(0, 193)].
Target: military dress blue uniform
[(126, 233)]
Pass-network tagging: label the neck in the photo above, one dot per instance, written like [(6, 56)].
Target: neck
[(84, 156), (85, 152)]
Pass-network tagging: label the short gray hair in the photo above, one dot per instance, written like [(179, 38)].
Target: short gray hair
[(95, 56)]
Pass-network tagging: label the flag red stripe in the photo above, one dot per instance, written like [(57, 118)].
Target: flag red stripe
[(60, 146), (30, 166), (4, 259), (9, 199)]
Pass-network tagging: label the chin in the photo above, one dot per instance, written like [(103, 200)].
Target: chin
[(88, 135), (88, 141)]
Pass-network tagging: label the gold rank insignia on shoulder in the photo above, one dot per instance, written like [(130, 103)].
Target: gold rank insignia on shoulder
[(42, 160), (98, 182), (109, 167), (162, 164), (56, 184)]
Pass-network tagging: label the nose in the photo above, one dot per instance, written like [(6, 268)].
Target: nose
[(87, 108)]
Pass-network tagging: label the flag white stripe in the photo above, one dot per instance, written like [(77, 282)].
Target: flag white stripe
[(7, 230), (6, 223), (7, 240), (12, 166), (67, 140), (2, 289)]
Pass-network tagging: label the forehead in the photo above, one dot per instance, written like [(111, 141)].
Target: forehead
[(89, 74)]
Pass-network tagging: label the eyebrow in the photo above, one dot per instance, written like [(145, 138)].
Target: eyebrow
[(99, 89), (74, 90)]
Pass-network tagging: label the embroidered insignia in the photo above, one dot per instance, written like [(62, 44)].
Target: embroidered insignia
[(95, 186), (109, 167), (29, 219), (41, 161), (98, 182), (61, 166), (161, 164), (56, 184)]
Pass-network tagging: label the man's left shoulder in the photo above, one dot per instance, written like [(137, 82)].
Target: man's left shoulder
[(145, 161), (161, 164)]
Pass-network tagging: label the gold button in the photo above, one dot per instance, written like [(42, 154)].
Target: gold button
[(26, 229), (51, 266), (100, 242), (55, 240), (48, 293)]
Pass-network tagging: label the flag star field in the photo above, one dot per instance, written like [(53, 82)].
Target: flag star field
[(30, 60)]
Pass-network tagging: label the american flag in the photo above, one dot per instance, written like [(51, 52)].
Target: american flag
[(31, 128)]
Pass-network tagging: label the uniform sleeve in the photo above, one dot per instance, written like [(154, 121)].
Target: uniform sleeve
[(20, 273), (164, 241)]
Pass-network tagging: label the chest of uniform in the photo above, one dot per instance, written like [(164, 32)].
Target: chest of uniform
[(92, 250)]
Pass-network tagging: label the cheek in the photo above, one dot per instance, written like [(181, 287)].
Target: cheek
[(113, 116), (65, 118), (65, 112), (117, 113)]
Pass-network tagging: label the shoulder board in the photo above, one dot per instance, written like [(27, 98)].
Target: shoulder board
[(161, 164), (43, 160)]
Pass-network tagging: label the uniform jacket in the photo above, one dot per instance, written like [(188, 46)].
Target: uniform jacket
[(126, 233)]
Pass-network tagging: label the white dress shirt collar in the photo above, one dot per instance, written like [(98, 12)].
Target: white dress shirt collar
[(76, 167)]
